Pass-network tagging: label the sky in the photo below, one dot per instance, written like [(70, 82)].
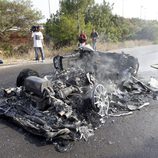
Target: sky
[(144, 9)]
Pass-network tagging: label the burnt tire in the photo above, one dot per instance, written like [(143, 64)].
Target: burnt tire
[(134, 64), (23, 75), (136, 68), (57, 61)]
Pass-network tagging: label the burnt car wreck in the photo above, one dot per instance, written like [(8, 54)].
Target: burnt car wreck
[(85, 89)]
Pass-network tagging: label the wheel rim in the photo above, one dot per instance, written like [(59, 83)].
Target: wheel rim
[(100, 100)]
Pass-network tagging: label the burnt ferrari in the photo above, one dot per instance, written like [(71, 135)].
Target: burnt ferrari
[(84, 88)]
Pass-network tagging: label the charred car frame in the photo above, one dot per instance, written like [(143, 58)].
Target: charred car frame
[(71, 102)]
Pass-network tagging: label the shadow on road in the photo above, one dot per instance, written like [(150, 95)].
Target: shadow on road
[(32, 139)]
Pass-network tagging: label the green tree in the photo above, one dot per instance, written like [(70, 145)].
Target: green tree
[(77, 15), (77, 10), (62, 31), (149, 32), (65, 25), (17, 13), (72, 7), (100, 16)]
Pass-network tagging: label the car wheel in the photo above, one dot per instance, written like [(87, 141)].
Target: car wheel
[(100, 100), (23, 75)]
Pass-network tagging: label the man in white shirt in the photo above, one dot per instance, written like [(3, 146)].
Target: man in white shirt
[(38, 43)]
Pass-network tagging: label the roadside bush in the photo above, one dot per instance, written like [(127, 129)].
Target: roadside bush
[(10, 50), (7, 49), (22, 49)]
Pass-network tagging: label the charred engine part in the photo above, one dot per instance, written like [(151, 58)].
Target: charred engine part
[(37, 85), (63, 93), (39, 90)]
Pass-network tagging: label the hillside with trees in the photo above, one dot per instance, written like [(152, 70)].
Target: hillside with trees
[(63, 27), (76, 15)]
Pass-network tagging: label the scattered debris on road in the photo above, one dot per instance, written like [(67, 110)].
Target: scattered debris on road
[(70, 104)]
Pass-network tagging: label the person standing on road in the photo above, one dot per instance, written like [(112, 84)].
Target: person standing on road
[(94, 37), (38, 44)]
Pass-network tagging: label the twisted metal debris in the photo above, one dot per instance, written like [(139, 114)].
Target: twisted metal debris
[(69, 105)]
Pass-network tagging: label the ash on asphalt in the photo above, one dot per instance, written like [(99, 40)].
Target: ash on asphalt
[(129, 95)]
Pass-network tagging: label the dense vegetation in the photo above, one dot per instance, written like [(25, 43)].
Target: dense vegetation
[(77, 15), (16, 19), (63, 28)]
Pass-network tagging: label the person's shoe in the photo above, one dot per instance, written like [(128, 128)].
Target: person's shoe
[(43, 61)]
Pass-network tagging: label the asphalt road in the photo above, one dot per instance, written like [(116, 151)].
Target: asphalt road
[(134, 136)]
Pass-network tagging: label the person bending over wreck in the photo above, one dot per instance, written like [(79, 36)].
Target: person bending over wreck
[(82, 39), (38, 43)]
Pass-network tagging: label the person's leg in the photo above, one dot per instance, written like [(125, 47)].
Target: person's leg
[(36, 53), (42, 53), (95, 45)]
